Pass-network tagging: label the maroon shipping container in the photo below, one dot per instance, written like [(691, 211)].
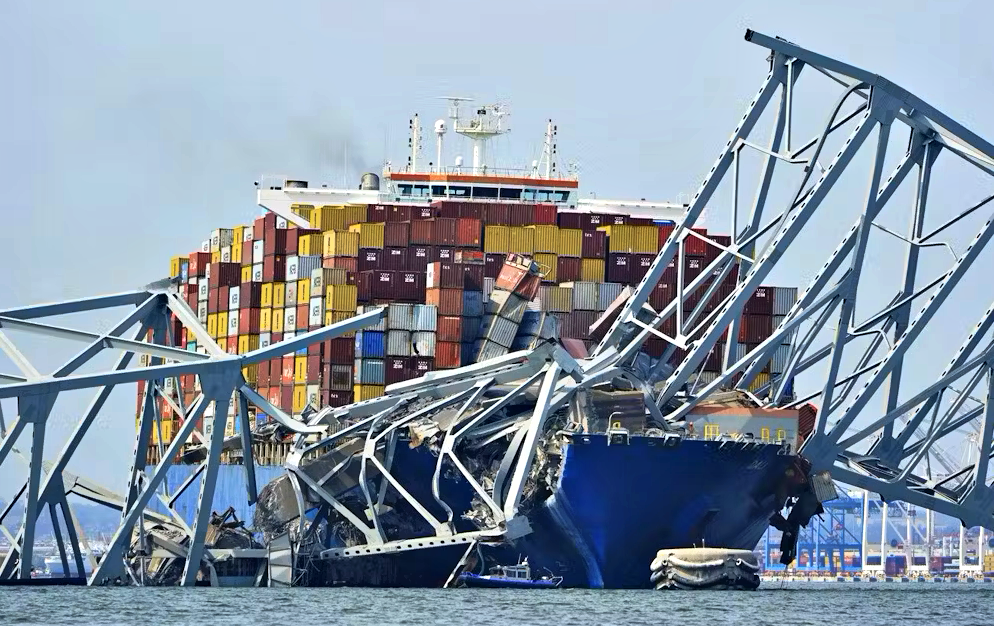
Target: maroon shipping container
[(250, 295), (761, 302), (469, 232), (263, 225), (472, 276), (655, 346), (449, 328), (471, 209), (383, 284), (568, 269), (421, 231), (369, 259), (286, 398), (376, 213), (467, 255), (212, 300), (248, 321), (336, 398), (448, 301), (497, 214), (398, 213), (348, 263), (246, 252), (594, 244), (669, 272), (714, 251), (569, 220), (192, 298), (292, 236), (640, 266), (692, 268), (492, 264), (275, 338), (316, 349), (397, 370), (313, 369), (592, 221), (619, 268), (445, 275), (665, 230), (544, 214), (713, 361), (421, 365), (364, 286), (443, 253), (395, 259), (223, 298), (755, 328), (225, 275), (661, 295), (448, 354), (522, 214), (612, 219), (409, 286), (418, 258), (273, 268), (396, 234), (275, 242), (422, 213), (577, 324), (444, 231), (446, 208), (261, 375), (694, 246), (340, 351)]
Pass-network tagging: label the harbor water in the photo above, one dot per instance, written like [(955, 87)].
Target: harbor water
[(797, 604)]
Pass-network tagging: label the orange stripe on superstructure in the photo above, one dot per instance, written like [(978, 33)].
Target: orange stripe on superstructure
[(498, 180)]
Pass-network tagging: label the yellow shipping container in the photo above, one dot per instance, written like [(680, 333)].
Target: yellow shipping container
[(557, 299), (247, 343), (340, 298), (300, 369), (497, 239), (761, 379), (277, 321), (266, 297), (370, 235), (366, 392), (328, 218), (303, 290), (247, 274), (175, 263), (303, 210), (592, 270), (547, 265), (355, 214), (166, 426), (299, 398), (251, 372), (545, 238), (279, 295), (265, 319), (340, 243), (522, 240), (570, 242), (238, 236), (215, 256), (222, 325), (632, 239), (236, 252), (212, 325), (310, 244)]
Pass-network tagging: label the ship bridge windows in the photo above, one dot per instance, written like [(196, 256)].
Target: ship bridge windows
[(458, 191), (510, 194), (484, 192), (414, 191), (438, 190)]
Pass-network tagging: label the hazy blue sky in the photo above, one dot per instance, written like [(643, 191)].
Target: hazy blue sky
[(130, 130)]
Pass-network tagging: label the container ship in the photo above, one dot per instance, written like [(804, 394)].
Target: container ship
[(430, 242)]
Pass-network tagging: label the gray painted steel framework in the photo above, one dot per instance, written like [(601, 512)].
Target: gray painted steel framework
[(885, 454)]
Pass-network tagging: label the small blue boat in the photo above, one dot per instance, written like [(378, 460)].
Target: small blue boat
[(510, 577)]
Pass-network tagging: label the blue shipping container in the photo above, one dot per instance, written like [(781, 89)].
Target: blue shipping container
[(370, 344), (472, 304), (370, 372)]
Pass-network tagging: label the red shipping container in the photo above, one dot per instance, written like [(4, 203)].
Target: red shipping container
[(522, 214), (246, 252), (275, 243), (398, 213), (313, 369), (250, 295), (497, 214), (492, 264), (569, 220), (248, 321), (448, 354), (275, 338), (418, 258), (316, 348), (224, 275), (469, 232), (212, 300), (445, 275), (619, 268), (421, 231), (341, 351), (232, 347), (694, 246), (471, 209), (348, 263), (394, 259), (594, 244), (421, 365), (665, 230), (592, 221), (409, 286), (544, 214), (287, 369), (376, 213), (303, 314), (640, 266), (446, 208), (292, 235), (443, 253), (198, 263), (396, 234), (449, 328), (419, 213), (223, 298), (568, 269), (761, 302), (286, 398), (472, 276), (262, 376), (273, 269), (448, 301), (369, 259), (397, 370), (755, 328), (444, 231), (192, 299), (468, 255)]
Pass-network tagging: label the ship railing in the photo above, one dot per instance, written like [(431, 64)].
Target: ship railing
[(508, 172)]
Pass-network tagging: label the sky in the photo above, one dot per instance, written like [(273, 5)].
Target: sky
[(131, 130)]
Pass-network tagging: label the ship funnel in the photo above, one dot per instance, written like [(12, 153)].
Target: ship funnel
[(370, 182)]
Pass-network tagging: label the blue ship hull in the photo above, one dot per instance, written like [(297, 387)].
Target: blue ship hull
[(613, 508)]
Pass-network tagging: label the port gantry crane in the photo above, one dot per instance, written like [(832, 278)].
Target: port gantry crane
[(871, 401)]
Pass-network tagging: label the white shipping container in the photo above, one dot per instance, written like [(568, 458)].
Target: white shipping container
[(500, 330), (780, 357), (226, 254), (506, 304), (289, 319), (232, 323), (314, 396), (247, 233), (783, 299), (425, 317), (380, 326), (488, 286), (289, 335), (584, 296), (398, 343), (233, 295), (281, 223), (292, 268), (264, 340), (706, 378), (607, 294), (221, 237), (202, 292), (258, 251), (739, 352), (257, 273), (290, 297), (205, 246), (400, 316), (307, 264), (207, 272), (202, 312), (489, 350), (423, 344), (315, 313), (789, 337)]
